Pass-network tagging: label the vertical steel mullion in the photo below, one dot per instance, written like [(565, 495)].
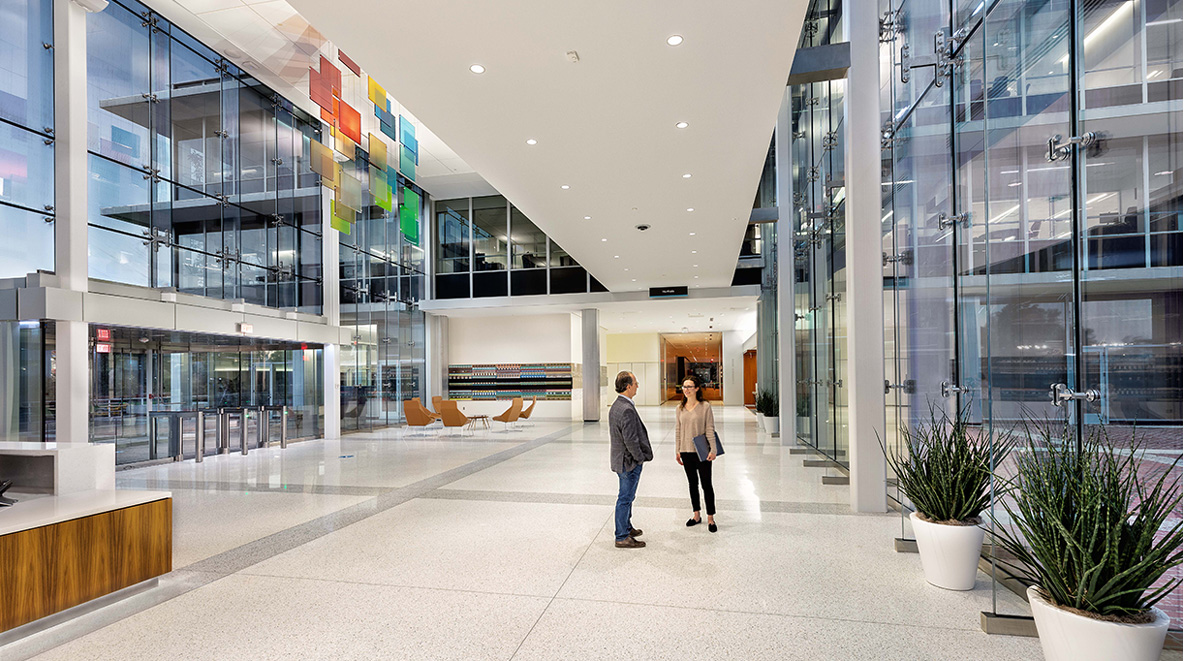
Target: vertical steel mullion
[(1077, 224)]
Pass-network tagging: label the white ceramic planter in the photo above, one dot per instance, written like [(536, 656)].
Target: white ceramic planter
[(760, 421), (949, 554), (1066, 636), (772, 424)]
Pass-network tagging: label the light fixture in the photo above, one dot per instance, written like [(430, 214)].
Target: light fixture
[(477, 68), (532, 141), (690, 208), (681, 125), (587, 217), (616, 256), (634, 279), (694, 252), (687, 176), (674, 40), (604, 239), (565, 187), (696, 277), (696, 266), (692, 234)]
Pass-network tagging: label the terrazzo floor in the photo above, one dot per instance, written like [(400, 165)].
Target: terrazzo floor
[(500, 546)]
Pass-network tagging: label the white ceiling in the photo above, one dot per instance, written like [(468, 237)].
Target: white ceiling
[(605, 126)]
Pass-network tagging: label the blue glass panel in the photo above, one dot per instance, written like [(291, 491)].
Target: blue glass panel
[(26, 168), (28, 242), (26, 66)]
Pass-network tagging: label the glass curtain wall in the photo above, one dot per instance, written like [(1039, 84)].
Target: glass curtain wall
[(507, 256), (381, 281), (26, 137), (137, 372), (1032, 213), (820, 317), (199, 175)]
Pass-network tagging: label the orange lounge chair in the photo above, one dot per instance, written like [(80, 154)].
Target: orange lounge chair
[(451, 415), (416, 414), (511, 414), (525, 415)]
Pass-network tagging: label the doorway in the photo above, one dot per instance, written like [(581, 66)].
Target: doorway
[(692, 353)]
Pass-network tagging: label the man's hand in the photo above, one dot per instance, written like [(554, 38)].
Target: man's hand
[(710, 456), (678, 457)]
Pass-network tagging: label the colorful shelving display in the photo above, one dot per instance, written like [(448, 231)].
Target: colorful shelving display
[(542, 381)]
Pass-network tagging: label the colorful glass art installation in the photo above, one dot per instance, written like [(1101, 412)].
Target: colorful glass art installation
[(380, 188), (407, 160), (409, 215), (349, 63), (378, 152), (376, 93), (350, 121), (342, 219), (407, 136)]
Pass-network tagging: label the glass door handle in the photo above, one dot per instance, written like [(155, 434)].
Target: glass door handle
[(1061, 393), (949, 390)]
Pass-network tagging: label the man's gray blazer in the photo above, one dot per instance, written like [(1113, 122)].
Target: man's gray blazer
[(629, 439)]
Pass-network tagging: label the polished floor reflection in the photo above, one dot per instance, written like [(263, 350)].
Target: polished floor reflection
[(500, 546)]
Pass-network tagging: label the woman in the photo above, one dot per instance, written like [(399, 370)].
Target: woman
[(694, 418)]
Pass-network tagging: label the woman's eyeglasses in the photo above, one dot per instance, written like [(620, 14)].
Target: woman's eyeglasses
[(688, 387)]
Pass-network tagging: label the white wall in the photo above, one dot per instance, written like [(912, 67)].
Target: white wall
[(639, 353), (513, 339)]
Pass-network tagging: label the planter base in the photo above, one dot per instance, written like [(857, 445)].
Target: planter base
[(949, 554), (1066, 636)]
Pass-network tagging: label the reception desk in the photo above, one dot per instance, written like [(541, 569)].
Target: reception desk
[(57, 552)]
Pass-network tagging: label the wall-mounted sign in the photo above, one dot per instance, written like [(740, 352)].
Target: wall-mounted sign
[(102, 348), (103, 334), (246, 328), (665, 292)]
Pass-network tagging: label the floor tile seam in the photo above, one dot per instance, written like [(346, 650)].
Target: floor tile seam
[(561, 585), (410, 586), (303, 489), (970, 629), (558, 498)]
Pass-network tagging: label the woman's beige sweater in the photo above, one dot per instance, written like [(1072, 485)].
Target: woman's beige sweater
[(690, 423)]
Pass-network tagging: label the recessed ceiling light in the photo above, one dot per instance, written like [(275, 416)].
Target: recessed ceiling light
[(634, 279), (604, 239), (626, 269), (532, 141), (690, 208), (696, 277), (674, 39), (687, 176), (587, 217), (616, 256), (692, 234), (565, 187), (696, 266), (477, 68), (681, 125), (694, 252)]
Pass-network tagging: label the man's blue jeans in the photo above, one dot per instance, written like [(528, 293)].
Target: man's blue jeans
[(628, 491)]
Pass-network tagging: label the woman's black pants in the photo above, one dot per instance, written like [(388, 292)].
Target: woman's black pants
[(699, 470)]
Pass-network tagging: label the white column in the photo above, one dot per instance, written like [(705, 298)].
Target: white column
[(590, 322), (72, 396), (331, 299), (786, 337), (732, 367), (864, 295), (332, 391), (437, 354)]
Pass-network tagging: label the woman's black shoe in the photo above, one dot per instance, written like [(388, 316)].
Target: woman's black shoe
[(711, 527), (693, 522)]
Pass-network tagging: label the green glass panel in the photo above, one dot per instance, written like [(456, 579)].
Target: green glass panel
[(409, 215), (407, 162)]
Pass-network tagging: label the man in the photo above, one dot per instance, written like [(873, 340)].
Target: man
[(630, 445)]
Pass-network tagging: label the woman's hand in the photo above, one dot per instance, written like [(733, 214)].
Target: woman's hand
[(711, 456), (678, 458)]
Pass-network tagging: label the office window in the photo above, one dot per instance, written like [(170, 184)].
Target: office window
[(528, 244), (489, 233)]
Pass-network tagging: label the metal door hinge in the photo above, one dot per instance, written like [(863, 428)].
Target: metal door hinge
[(891, 24), (1060, 393), (943, 60), (1058, 151), (949, 390), (904, 258), (945, 220), (908, 387)]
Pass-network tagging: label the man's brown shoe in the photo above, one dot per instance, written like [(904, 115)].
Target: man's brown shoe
[(636, 532), (630, 543)]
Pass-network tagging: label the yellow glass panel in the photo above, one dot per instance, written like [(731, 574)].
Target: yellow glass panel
[(344, 145), (377, 93), (377, 151)]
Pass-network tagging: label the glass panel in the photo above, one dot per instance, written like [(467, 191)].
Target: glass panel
[(28, 242), (196, 116), (118, 86), (119, 197), (118, 257), (26, 168), (489, 233), (528, 243), (26, 66), (559, 256), (452, 236)]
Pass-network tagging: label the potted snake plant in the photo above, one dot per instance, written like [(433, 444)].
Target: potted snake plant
[(768, 408), (1093, 539), (945, 471)]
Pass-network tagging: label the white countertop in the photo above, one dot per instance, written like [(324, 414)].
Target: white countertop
[(35, 510)]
